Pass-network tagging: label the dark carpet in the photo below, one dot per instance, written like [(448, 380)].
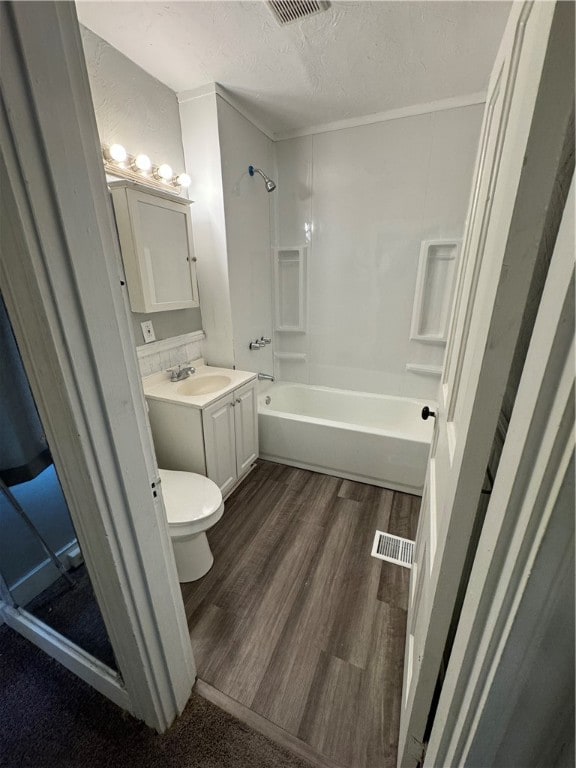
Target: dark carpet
[(48, 717), (75, 614)]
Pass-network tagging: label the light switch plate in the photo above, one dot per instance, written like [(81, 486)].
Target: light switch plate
[(148, 331)]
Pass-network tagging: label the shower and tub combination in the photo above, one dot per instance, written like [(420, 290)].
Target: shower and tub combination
[(372, 438), (369, 438)]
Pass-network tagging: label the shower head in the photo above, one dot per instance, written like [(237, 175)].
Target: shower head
[(270, 185)]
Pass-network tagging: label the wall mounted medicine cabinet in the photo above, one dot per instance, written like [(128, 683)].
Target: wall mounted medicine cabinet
[(155, 233)]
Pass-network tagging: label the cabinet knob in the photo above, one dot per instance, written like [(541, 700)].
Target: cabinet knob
[(238, 402), (426, 412)]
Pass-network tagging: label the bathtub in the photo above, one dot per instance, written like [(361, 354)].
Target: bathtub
[(371, 438)]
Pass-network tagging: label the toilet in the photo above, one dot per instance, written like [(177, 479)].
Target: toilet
[(193, 505)]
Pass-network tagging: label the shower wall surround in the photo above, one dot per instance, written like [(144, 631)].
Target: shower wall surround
[(364, 199), (247, 210)]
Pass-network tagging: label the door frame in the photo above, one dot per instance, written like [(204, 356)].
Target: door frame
[(536, 456), (537, 172), (61, 281)]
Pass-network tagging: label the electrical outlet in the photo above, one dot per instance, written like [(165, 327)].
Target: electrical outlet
[(148, 331)]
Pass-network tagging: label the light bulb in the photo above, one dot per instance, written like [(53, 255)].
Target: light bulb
[(117, 153), (183, 180), (164, 172), (142, 163)]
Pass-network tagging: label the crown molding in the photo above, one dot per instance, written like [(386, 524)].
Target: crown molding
[(215, 89), (454, 102), (210, 89)]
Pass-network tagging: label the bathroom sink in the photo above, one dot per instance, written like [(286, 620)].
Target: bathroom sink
[(199, 390), (203, 385)]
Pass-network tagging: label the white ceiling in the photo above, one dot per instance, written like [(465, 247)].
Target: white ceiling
[(358, 58)]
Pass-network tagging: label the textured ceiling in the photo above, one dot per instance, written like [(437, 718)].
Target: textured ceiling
[(358, 58)]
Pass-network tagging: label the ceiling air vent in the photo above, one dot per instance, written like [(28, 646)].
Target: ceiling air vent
[(287, 11)]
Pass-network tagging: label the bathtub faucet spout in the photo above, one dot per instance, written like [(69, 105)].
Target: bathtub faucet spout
[(265, 377)]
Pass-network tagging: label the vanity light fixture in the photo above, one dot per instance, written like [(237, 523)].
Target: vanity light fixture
[(164, 172), (183, 180), (142, 163), (116, 153), (140, 168)]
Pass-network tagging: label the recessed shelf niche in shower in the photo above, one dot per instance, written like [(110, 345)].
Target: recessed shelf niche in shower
[(290, 289), (434, 290)]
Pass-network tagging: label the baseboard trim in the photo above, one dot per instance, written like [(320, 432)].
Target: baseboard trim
[(263, 725), (40, 577)]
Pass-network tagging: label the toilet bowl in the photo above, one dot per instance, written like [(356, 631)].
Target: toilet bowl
[(193, 505)]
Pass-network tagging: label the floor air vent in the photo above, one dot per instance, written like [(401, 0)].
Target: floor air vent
[(394, 549), (287, 11)]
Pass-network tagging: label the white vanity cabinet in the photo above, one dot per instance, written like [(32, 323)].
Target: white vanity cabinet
[(155, 233), (219, 439), (231, 436)]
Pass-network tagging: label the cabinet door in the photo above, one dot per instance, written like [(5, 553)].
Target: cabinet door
[(246, 422), (219, 443), (155, 235), (163, 237), (177, 435)]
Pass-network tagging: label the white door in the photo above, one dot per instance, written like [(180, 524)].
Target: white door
[(246, 422), (525, 125), (219, 442), (519, 668), (60, 281)]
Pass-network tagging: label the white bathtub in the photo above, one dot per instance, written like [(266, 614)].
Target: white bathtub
[(370, 438)]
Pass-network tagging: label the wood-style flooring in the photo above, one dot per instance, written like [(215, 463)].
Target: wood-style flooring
[(297, 621)]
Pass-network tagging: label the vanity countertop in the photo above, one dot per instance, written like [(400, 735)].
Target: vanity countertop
[(200, 389)]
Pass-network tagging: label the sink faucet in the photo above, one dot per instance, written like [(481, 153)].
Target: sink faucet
[(182, 372)]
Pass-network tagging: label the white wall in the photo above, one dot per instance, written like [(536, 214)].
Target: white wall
[(141, 113), (370, 195), (231, 218), (20, 551), (199, 118), (247, 210)]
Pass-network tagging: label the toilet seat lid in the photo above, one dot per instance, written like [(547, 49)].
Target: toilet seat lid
[(188, 496)]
